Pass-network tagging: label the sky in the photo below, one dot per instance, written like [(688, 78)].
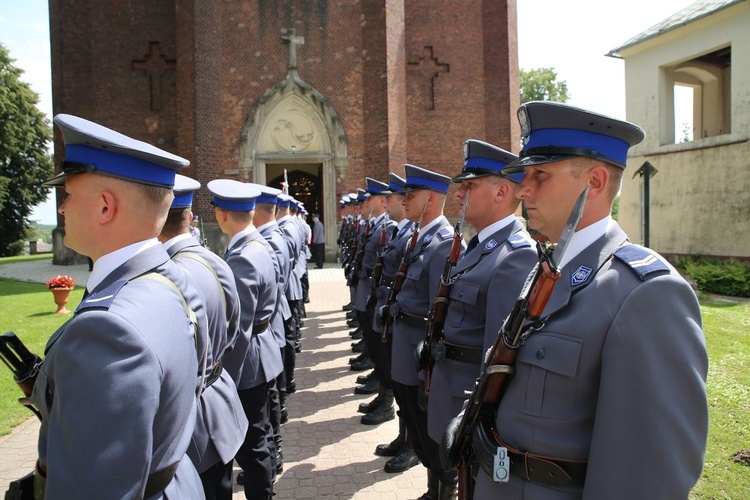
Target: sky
[(570, 36)]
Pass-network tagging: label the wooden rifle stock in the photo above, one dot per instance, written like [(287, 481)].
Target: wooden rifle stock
[(438, 311), (377, 270), (398, 282), (500, 364), (360, 253)]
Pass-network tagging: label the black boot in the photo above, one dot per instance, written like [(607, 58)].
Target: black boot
[(404, 460), (433, 487), (363, 356), (370, 387), (368, 407), (351, 314), (362, 379), (348, 307), (356, 334), (391, 449), (448, 491), (360, 366), (352, 323), (384, 412), (358, 346)]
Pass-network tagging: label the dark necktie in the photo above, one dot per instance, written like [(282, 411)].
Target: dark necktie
[(472, 243)]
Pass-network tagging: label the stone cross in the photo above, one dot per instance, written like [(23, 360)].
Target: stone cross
[(155, 65), (293, 40), (429, 66)]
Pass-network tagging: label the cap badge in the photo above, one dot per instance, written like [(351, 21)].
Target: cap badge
[(581, 275)]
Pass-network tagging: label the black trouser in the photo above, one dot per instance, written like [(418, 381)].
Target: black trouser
[(217, 481), (380, 354), (254, 456), (274, 424), (290, 356), (320, 253), (415, 418)]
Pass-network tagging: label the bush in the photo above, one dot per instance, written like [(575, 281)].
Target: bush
[(715, 276)]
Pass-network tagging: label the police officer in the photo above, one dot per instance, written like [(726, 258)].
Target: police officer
[(265, 220), (294, 289), (400, 449), (117, 388), (375, 204), (484, 284), (424, 193), (609, 396), (221, 424), (256, 353)]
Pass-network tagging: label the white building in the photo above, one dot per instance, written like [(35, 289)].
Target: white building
[(688, 86)]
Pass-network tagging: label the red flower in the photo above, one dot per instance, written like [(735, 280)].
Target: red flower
[(59, 281)]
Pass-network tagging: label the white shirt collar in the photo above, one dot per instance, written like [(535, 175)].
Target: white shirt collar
[(585, 237), (104, 266), (249, 229), (495, 227), (402, 223)]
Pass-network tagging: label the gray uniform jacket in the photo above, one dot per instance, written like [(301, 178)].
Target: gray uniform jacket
[(318, 233), (480, 299), (371, 249), (117, 388), (283, 266), (221, 424), (292, 236), (416, 296), (616, 377), (393, 253), (255, 358)]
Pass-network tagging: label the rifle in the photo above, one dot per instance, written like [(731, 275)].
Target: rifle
[(24, 366), (438, 311), (377, 269), (359, 255), (500, 362), (399, 277)]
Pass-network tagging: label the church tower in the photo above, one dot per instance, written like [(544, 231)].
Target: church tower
[(329, 92)]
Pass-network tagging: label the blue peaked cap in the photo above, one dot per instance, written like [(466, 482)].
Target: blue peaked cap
[(268, 194), (482, 159), (232, 195), (375, 187), (420, 178), (184, 189), (90, 147), (552, 131)]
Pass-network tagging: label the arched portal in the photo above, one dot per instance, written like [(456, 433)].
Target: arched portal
[(293, 127)]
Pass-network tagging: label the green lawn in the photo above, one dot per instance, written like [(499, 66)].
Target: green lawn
[(27, 309), (25, 258)]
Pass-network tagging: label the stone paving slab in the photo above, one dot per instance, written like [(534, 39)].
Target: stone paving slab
[(327, 452)]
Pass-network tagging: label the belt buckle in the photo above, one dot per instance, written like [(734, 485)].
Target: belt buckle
[(501, 465), (393, 310)]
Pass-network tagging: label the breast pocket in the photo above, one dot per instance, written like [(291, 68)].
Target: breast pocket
[(415, 270), (463, 311), (547, 366)]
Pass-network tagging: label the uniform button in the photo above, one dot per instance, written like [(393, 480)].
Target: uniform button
[(460, 294), (540, 354)]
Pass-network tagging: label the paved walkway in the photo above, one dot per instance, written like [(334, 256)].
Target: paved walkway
[(327, 452)]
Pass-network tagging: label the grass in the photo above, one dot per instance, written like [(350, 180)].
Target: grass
[(25, 258), (27, 308)]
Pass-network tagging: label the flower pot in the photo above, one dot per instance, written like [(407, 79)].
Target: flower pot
[(61, 298)]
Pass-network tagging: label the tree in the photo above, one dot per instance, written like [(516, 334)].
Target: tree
[(541, 84), (25, 161)]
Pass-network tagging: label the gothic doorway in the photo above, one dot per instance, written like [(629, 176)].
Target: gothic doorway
[(304, 185)]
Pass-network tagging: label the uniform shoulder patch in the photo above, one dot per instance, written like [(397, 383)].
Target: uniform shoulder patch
[(517, 241), (641, 260), (101, 300)]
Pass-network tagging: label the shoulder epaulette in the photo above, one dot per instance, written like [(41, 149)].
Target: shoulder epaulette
[(445, 232), (102, 299), (517, 241), (641, 260)]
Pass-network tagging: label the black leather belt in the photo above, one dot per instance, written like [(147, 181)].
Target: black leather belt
[(260, 327), (159, 480), (464, 353), (385, 280), (527, 466), (412, 319), (213, 375)]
